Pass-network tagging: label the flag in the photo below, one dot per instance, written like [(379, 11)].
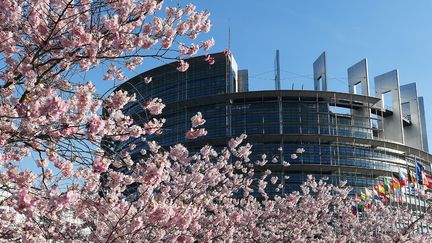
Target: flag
[(424, 179), (387, 185), (419, 170), (354, 210), (403, 179), (381, 189), (427, 179), (396, 183), (410, 190), (375, 190), (357, 198), (392, 197), (360, 207), (398, 195), (385, 199), (376, 194), (363, 196), (397, 188), (369, 193), (411, 177)]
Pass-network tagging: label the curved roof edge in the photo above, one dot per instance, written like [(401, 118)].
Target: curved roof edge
[(337, 96)]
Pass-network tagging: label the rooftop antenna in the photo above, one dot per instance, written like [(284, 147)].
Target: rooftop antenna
[(277, 71), (229, 38)]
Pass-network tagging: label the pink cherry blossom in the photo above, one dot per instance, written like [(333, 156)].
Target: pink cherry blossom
[(43, 163), (154, 106), (154, 126), (147, 79), (234, 142), (119, 99), (100, 164), (197, 120), (209, 59), (182, 66), (195, 133), (300, 150), (207, 44), (24, 198), (96, 126), (227, 52), (179, 152), (132, 146)]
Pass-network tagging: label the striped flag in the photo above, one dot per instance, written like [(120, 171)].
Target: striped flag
[(375, 191), (411, 177), (403, 178), (427, 179), (388, 185), (396, 183), (363, 196), (381, 189)]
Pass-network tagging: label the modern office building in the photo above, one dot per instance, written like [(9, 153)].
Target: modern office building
[(352, 136)]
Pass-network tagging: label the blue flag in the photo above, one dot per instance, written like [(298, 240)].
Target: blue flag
[(419, 170)]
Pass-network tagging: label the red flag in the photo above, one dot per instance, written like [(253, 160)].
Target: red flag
[(381, 189), (354, 210), (357, 198), (396, 184), (375, 190), (403, 178), (427, 180)]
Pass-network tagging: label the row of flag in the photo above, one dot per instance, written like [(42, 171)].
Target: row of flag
[(395, 184), (390, 189)]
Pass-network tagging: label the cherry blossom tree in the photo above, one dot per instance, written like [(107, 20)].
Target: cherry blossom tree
[(59, 182)]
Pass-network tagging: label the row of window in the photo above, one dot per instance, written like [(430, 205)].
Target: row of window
[(336, 155), (217, 128)]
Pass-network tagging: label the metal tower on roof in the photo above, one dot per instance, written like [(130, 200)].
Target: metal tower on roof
[(277, 71)]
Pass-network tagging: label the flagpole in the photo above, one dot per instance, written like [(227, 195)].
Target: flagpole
[(416, 195), (402, 189), (409, 189), (397, 197), (417, 164)]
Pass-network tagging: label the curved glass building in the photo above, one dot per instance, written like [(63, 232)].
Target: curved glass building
[(347, 136)]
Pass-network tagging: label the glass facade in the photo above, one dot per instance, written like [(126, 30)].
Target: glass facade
[(339, 144)]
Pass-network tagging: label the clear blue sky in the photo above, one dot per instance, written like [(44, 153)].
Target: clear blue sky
[(391, 34)]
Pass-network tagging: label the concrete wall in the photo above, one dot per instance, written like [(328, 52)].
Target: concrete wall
[(412, 133), (320, 72), (243, 80), (392, 125), (358, 74), (423, 124)]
